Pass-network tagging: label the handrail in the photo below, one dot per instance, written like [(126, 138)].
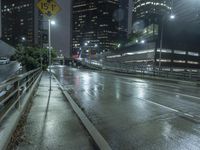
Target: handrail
[(143, 71), (13, 89)]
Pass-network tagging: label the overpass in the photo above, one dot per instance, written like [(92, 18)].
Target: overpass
[(89, 109)]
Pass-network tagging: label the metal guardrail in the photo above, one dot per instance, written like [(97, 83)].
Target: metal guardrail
[(12, 90), (142, 71)]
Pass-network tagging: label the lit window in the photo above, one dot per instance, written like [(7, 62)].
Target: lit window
[(193, 62), (179, 61), (193, 53), (180, 52)]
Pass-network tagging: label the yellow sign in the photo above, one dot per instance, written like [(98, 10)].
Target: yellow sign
[(48, 7)]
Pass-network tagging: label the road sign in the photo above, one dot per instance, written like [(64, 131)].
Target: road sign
[(48, 7)]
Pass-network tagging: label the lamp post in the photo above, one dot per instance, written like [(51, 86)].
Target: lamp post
[(171, 17), (50, 22)]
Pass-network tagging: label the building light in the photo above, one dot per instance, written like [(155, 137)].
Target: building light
[(193, 62), (165, 50), (180, 52), (139, 52), (114, 56), (179, 61), (193, 53), (139, 61), (163, 60)]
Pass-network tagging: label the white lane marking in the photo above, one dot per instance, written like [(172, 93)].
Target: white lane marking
[(163, 106), (185, 95), (166, 107)]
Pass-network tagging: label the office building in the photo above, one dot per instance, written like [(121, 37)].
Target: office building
[(21, 22), (96, 22), (5, 49), (160, 40)]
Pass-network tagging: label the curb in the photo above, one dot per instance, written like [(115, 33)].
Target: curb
[(94, 133)]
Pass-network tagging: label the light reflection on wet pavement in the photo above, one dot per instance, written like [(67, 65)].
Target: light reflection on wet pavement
[(135, 113)]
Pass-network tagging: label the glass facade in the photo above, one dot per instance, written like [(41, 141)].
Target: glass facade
[(97, 22), (178, 49), (20, 22)]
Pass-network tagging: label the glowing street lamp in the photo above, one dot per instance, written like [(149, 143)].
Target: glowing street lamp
[(172, 16), (53, 22), (23, 39), (142, 42)]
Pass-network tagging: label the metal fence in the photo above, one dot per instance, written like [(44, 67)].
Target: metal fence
[(143, 70), (12, 90)]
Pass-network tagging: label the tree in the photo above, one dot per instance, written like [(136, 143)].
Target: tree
[(33, 57)]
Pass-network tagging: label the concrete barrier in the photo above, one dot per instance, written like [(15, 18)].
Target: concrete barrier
[(94, 133)]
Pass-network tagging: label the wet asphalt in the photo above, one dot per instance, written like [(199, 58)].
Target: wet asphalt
[(136, 114)]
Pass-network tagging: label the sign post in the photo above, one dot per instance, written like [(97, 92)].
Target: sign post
[(49, 8)]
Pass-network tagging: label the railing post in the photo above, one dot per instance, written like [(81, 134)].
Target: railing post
[(190, 74), (17, 86)]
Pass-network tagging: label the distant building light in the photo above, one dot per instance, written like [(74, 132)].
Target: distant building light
[(142, 42), (114, 56), (23, 39), (172, 16)]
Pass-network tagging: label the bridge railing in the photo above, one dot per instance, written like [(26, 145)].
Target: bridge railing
[(13, 89), (143, 70)]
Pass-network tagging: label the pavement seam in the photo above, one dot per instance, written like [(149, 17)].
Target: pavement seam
[(94, 133)]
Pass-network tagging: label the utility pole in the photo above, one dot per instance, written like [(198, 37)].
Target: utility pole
[(50, 53)]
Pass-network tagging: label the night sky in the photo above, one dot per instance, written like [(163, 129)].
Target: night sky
[(61, 31)]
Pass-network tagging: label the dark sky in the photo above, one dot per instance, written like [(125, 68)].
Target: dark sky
[(61, 31)]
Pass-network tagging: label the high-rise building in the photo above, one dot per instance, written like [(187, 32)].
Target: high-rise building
[(97, 22), (164, 37), (148, 15), (84, 23), (20, 22), (5, 49)]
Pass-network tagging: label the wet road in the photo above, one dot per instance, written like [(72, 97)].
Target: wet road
[(134, 113), (8, 70)]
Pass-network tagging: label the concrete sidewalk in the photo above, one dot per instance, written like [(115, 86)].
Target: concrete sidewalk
[(52, 124)]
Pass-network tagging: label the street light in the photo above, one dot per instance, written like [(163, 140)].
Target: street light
[(86, 44), (23, 39), (142, 41), (53, 22), (172, 17), (95, 45)]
